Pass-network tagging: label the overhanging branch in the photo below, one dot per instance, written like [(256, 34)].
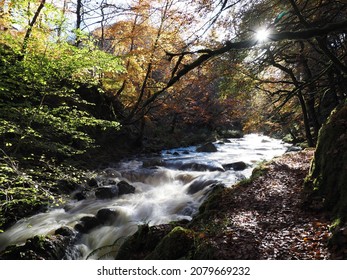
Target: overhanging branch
[(304, 34)]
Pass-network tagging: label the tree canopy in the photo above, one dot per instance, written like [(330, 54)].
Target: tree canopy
[(83, 83)]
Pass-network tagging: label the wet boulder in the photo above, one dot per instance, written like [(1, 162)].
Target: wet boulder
[(207, 148), (92, 182), (107, 216), (237, 166), (39, 248), (125, 188), (175, 245), (80, 195), (65, 231), (194, 166), (143, 242), (198, 185), (107, 192), (86, 224)]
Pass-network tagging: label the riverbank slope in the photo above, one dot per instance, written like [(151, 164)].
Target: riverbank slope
[(265, 217)]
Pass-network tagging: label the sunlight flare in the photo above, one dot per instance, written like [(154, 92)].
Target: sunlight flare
[(262, 34)]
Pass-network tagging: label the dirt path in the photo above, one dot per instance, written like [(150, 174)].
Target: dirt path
[(265, 218)]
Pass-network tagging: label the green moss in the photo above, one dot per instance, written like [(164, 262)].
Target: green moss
[(328, 172), (18, 202), (176, 245), (143, 242), (211, 203)]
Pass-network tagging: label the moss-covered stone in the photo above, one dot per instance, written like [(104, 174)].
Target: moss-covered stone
[(328, 173), (39, 248), (211, 203), (176, 245), (143, 242)]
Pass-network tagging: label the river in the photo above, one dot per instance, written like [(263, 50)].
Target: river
[(168, 187)]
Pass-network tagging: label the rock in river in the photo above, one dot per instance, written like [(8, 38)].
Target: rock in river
[(207, 148)]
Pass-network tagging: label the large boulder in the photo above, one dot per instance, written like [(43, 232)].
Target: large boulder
[(107, 216), (237, 166), (195, 166), (87, 223), (107, 192), (125, 188), (52, 247), (175, 245), (328, 174), (207, 148), (198, 185), (143, 242)]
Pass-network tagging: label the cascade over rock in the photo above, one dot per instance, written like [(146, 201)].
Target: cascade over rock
[(207, 148), (113, 202)]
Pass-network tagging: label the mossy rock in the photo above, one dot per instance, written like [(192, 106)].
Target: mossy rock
[(213, 200), (176, 245), (328, 173), (38, 248), (143, 242)]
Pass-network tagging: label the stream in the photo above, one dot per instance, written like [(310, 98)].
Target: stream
[(168, 187)]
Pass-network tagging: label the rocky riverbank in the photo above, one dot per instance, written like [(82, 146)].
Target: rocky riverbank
[(265, 217)]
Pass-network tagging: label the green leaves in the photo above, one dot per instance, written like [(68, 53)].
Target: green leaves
[(41, 109)]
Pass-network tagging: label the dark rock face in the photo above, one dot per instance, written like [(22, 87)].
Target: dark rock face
[(207, 148), (80, 196), (197, 185), (92, 182), (328, 176), (64, 231), (107, 216), (125, 188), (39, 248), (86, 224), (143, 242), (237, 166), (174, 245), (106, 192), (112, 191)]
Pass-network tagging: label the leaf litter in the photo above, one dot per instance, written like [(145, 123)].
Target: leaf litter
[(265, 219)]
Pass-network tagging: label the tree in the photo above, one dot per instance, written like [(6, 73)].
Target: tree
[(30, 27)]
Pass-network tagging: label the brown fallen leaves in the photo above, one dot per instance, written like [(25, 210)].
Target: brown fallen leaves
[(265, 218)]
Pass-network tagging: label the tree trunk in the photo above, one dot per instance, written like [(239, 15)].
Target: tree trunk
[(30, 29), (306, 120), (78, 21)]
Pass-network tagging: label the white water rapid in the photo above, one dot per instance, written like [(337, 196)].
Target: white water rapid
[(167, 188)]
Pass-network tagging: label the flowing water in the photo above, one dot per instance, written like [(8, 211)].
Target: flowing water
[(168, 187)]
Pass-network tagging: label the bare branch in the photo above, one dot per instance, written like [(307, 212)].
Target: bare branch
[(246, 44)]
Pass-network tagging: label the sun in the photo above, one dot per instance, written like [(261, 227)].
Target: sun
[(262, 34)]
